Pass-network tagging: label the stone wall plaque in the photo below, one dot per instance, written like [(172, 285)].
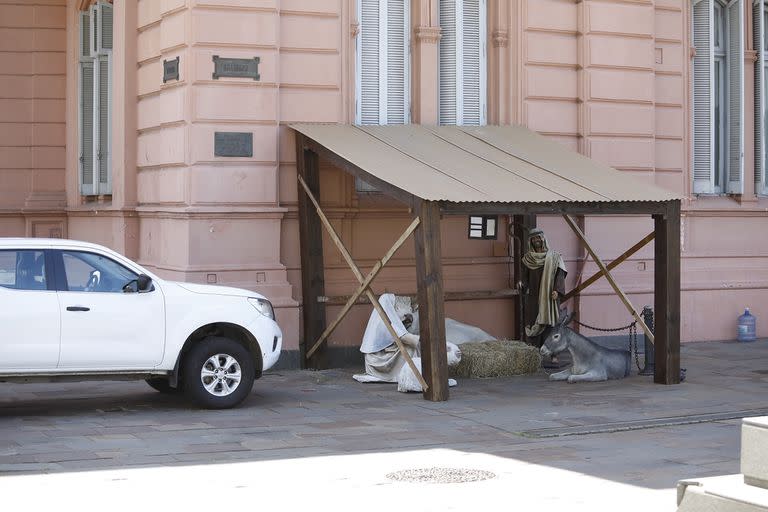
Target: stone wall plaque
[(171, 69), (238, 68), (233, 144)]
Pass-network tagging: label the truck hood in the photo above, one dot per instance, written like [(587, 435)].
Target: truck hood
[(207, 289)]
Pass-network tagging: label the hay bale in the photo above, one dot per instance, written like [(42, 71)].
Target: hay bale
[(497, 358)]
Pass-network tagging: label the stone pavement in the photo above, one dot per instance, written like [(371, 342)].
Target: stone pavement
[(318, 439)]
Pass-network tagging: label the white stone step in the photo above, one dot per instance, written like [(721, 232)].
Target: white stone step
[(720, 494), (754, 451)]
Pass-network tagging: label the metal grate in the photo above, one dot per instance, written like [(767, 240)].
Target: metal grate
[(441, 475)]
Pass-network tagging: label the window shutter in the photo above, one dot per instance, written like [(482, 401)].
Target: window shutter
[(703, 99), (368, 76), (449, 59), (86, 128), (105, 27), (735, 56), (104, 106), (462, 62), (85, 35), (473, 64), (758, 35), (398, 50)]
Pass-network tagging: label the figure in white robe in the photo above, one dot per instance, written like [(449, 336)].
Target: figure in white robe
[(383, 359)]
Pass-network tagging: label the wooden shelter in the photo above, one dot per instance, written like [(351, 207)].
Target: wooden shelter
[(459, 170)]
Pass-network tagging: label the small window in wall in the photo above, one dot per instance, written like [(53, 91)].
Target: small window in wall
[(383, 66), (462, 62), (95, 100), (718, 96)]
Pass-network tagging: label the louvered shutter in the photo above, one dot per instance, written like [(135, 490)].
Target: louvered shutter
[(105, 27), (449, 59), (703, 99), (368, 75), (86, 129), (85, 35), (735, 56), (758, 35), (473, 60), (398, 50), (104, 106), (462, 62), (85, 107)]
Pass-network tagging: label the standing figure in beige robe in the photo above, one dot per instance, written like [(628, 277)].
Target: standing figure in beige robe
[(543, 281)]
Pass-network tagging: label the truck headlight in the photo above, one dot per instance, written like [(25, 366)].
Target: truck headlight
[(263, 306)]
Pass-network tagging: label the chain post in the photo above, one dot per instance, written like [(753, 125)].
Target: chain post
[(650, 367)]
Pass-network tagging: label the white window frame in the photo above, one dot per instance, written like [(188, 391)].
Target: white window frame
[(760, 40), (383, 63), (98, 54), (727, 174), (483, 64)]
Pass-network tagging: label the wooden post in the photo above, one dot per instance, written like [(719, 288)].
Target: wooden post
[(666, 295), (429, 276), (526, 305), (311, 239)]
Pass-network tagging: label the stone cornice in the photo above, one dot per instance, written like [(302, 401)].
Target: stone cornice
[(429, 35)]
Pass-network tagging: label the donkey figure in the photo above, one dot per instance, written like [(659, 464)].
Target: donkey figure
[(591, 362)]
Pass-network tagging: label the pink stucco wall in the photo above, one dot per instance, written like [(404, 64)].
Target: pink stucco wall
[(608, 79)]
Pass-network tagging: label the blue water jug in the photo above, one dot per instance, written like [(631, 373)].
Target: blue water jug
[(747, 327)]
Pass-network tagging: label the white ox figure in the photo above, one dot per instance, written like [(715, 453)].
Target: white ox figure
[(383, 360)]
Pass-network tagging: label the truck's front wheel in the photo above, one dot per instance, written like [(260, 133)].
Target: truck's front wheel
[(218, 373)]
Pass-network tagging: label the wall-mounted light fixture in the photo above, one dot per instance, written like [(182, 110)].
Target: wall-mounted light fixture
[(483, 227)]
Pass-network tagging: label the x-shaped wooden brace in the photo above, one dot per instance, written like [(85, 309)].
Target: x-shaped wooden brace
[(604, 270), (364, 284)]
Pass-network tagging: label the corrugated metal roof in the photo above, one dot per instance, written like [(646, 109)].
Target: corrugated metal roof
[(508, 164)]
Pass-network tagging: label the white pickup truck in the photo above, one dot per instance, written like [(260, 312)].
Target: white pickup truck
[(73, 310)]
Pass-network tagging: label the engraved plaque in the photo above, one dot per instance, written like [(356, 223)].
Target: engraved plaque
[(233, 144), (171, 69), (238, 68)]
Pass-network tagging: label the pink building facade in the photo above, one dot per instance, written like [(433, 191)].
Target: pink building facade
[(100, 141)]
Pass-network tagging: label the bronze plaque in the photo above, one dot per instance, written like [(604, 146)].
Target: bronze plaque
[(233, 144), (238, 68), (171, 69)]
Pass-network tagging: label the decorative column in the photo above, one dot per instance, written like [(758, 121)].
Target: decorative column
[(424, 65)]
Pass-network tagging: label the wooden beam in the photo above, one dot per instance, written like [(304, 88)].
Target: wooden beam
[(364, 286), (555, 208), (667, 295), (506, 293), (429, 276), (615, 263), (312, 267), (348, 258), (610, 279), (527, 306)]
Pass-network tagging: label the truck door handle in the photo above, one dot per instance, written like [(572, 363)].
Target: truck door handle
[(78, 308)]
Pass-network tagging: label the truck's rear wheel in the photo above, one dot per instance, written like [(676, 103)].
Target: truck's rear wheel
[(218, 373)]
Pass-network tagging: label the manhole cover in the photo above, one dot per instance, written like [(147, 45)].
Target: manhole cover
[(440, 475)]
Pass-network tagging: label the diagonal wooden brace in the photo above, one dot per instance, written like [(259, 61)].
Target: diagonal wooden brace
[(609, 277), (364, 286), (615, 263), (361, 280)]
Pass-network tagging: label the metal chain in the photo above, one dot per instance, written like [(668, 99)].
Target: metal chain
[(615, 329), (632, 337)]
